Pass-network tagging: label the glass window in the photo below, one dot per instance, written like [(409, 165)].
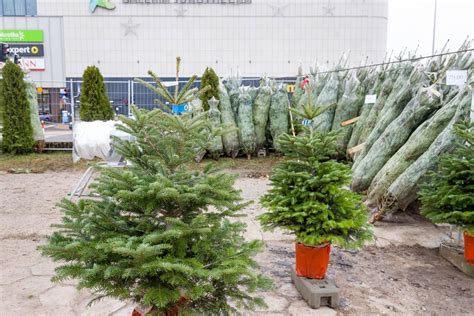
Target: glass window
[(31, 7), (8, 7), (20, 8)]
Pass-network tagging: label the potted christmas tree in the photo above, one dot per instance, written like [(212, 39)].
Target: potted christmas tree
[(159, 234), (448, 196), (309, 196)]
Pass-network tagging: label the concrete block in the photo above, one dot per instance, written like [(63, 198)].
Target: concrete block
[(316, 293), (455, 255)]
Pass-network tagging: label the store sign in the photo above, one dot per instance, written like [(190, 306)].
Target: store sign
[(21, 36), (33, 64), (104, 4), (27, 50), (187, 1)]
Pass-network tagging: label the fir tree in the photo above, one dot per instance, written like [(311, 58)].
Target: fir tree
[(159, 234), (448, 195), (95, 104), (209, 78), (17, 130), (309, 193)]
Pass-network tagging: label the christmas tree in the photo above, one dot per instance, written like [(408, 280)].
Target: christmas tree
[(95, 104), (310, 194), (160, 234), (17, 129), (448, 195), (209, 78)]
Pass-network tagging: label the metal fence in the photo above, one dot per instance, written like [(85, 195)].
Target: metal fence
[(60, 101)]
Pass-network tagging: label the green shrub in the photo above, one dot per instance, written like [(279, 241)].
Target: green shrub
[(209, 78), (95, 104), (448, 195), (17, 130)]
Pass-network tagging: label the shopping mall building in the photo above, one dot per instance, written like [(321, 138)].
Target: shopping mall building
[(58, 39)]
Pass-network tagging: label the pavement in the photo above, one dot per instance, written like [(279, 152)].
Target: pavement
[(58, 133)]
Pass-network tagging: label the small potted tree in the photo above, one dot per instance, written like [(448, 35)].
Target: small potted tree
[(159, 233), (448, 196), (309, 196)]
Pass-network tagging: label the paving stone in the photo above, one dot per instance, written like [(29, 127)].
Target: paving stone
[(32, 286), (275, 302), (103, 307), (289, 290), (300, 308), (43, 268), (10, 274), (59, 295)]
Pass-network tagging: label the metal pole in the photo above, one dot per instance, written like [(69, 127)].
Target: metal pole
[(129, 114), (71, 94), (434, 28)]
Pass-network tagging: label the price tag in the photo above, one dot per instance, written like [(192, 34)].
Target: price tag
[(370, 98), (306, 122), (456, 77)]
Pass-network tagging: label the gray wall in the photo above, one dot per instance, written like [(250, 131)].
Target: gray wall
[(265, 37), (55, 70)]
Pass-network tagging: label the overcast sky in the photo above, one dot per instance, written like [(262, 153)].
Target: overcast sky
[(410, 22)]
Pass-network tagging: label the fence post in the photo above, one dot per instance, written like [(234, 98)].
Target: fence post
[(71, 93)]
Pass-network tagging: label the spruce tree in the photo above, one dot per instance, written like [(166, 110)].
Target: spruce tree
[(310, 193), (95, 104), (17, 130), (448, 194), (160, 234), (209, 78)]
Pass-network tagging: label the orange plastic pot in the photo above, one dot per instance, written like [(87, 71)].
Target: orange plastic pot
[(469, 247), (312, 261)]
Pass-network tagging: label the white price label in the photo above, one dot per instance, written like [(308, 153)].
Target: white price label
[(456, 77), (370, 98), (306, 122)]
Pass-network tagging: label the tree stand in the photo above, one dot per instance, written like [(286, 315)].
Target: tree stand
[(315, 292)]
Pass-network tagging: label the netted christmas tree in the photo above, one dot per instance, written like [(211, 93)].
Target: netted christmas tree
[(448, 194), (309, 192), (95, 104), (160, 233), (17, 129)]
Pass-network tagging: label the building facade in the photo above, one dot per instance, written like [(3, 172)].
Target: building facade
[(126, 38)]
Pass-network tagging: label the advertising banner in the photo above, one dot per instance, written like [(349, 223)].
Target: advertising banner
[(21, 36)]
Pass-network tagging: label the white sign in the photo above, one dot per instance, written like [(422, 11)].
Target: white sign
[(370, 98), (33, 64), (456, 77)]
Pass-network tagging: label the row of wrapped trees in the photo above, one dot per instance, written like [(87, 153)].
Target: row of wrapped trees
[(396, 138)]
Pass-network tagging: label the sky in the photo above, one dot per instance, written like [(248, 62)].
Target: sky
[(410, 23)]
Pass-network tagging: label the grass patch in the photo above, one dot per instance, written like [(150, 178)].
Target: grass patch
[(243, 165), (39, 163)]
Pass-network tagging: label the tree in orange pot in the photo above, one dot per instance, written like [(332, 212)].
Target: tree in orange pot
[(448, 195), (310, 197)]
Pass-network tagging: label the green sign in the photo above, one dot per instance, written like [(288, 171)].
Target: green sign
[(21, 36)]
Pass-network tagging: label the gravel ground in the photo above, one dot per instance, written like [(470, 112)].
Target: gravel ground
[(400, 274)]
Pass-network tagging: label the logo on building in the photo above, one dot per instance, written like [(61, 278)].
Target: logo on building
[(106, 4)]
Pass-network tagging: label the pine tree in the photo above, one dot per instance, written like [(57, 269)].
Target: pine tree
[(95, 104), (17, 130), (448, 194), (159, 234), (209, 78), (309, 193)]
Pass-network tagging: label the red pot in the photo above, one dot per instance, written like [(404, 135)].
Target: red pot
[(469, 247), (312, 261), (139, 311)]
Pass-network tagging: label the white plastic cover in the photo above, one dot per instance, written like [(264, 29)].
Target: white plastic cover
[(92, 139)]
